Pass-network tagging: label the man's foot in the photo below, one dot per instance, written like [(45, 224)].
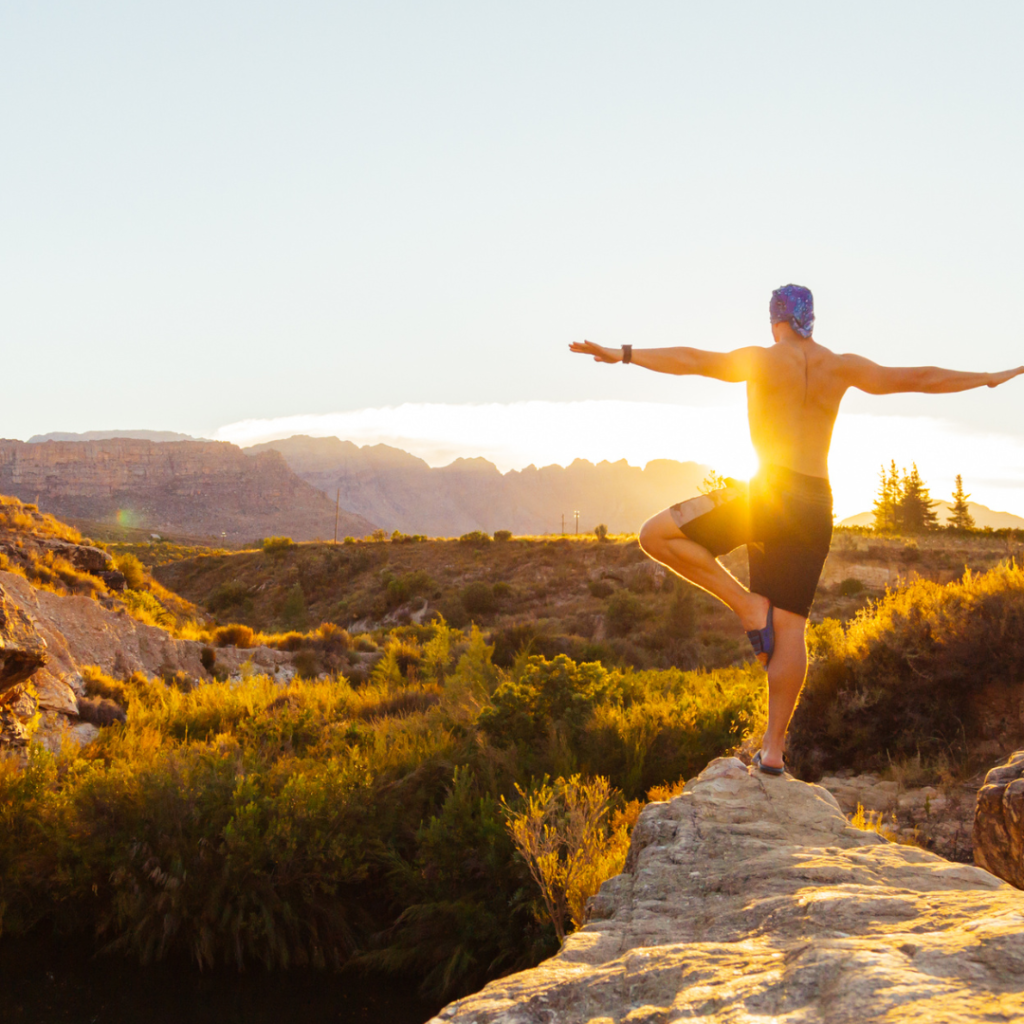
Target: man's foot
[(762, 639), (768, 769)]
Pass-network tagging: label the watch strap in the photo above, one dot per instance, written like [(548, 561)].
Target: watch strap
[(627, 353)]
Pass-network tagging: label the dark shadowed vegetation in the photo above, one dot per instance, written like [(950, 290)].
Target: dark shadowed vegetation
[(325, 824)]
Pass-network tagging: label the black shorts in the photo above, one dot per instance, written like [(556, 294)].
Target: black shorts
[(784, 518)]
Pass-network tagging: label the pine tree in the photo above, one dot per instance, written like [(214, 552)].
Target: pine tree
[(915, 509), (960, 518), (885, 506)]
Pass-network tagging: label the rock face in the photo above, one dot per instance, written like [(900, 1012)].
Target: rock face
[(22, 649), (202, 489), (401, 492), (78, 631), (750, 899), (999, 821)]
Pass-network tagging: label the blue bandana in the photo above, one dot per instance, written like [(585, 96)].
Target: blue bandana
[(795, 304)]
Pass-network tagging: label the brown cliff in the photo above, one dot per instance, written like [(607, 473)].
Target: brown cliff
[(199, 488)]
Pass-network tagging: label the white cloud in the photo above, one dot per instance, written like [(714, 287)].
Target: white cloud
[(517, 434)]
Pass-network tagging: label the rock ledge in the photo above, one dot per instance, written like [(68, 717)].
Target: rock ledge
[(751, 899)]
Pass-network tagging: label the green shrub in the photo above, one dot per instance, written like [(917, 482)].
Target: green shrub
[(502, 591), (476, 538), (143, 606), (274, 545), (601, 532), (623, 613), (905, 675), (227, 595), (293, 611), (600, 588), (478, 598), (850, 587), (502, 535)]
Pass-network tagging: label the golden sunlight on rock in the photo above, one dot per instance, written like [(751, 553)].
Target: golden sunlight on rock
[(748, 898)]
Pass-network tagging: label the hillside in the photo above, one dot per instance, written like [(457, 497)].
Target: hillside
[(196, 488), (401, 492)]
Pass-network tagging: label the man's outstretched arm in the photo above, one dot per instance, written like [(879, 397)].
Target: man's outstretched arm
[(932, 380), (734, 367)]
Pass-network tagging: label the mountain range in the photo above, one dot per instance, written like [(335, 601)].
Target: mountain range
[(398, 491)]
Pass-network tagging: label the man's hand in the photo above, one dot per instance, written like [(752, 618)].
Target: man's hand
[(601, 355), (1001, 378)]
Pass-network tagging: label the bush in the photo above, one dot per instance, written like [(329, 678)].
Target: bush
[(478, 598), (905, 676), (601, 532), (274, 545), (134, 572), (850, 587), (600, 588), (623, 613), (227, 595), (502, 535), (235, 635), (142, 605), (476, 538)]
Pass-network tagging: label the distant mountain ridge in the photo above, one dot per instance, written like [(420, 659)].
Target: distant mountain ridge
[(401, 492), (109, 435), (982, 514), (208, 489)]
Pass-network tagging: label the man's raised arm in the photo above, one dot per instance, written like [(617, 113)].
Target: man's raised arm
[(932, 380), (733, 367)]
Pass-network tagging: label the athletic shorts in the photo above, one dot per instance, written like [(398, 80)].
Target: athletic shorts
[(785, 520)]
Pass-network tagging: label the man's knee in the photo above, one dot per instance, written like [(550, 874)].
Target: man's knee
[(651, 537)]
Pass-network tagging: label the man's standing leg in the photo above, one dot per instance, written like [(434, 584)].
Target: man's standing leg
[(786, 673), (661, 538)]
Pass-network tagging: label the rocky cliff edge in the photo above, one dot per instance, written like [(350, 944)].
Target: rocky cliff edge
[(751, 899)]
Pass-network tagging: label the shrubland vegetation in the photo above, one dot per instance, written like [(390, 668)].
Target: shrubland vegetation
[(928, 672), (321, 823)]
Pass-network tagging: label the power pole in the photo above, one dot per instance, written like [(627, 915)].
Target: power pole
[(563, 524), (337, 509), (577, 515)]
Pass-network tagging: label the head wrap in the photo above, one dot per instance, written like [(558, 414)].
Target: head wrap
[(794, 304)]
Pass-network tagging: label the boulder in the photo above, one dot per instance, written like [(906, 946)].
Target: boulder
[(749, 898), (22, 649), (999, 821)]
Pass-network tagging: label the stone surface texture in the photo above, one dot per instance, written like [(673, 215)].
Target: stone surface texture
[(202, 489), (22, 649), (750, 899), (78, 631), (999, 821), (940, 818)]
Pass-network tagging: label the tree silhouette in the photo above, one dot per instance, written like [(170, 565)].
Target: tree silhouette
[(903, 503), (960, 518), (887, 503), (915, 512)]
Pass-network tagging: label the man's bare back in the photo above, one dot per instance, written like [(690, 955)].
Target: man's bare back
[(795, 387), (794, 390)]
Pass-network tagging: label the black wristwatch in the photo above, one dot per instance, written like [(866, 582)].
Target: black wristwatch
[(627, 353)]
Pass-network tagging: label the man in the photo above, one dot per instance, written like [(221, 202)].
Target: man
[(784, 516)]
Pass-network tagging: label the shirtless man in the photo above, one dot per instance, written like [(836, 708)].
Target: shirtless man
[(784, 515)]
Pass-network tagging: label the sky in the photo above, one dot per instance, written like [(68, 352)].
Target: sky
[(229, 218)]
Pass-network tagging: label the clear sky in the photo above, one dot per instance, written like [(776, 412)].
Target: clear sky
[(217, 212)]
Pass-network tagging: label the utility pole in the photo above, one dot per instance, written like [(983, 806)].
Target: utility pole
[(563, 524), (577, 515), (337, 509)]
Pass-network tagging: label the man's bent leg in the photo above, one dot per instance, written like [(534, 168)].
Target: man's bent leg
[(662, 539), (786, 673)]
